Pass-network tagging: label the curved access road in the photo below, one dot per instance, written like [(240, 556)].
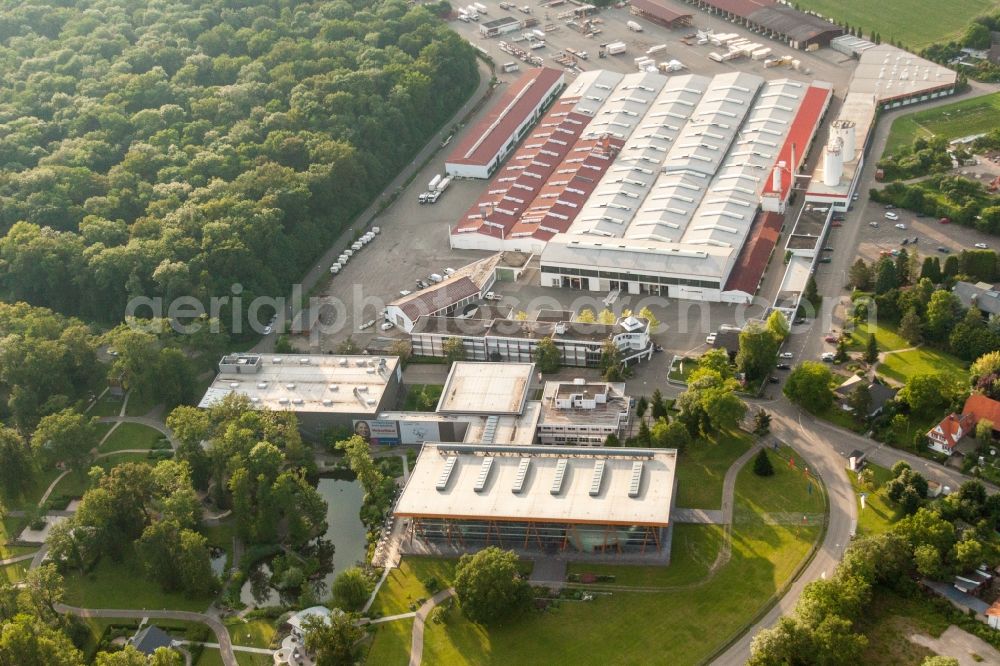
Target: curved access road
[(828, 465), (221, 633)]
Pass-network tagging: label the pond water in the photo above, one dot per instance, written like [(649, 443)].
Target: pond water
[(344, 529), (219, 562), (343, 506)]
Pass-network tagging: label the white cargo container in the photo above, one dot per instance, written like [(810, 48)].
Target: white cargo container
[(480, 7), (715, 56), (538, 33), (434, 182), (376, 230), (614, 48), (349, 253), (538, 45), (760, 54), (335, 269), (443, 185), (356, 245), (634, 27), (659, 48), (510, 67)]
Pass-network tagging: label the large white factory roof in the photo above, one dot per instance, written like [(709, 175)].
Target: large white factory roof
[(641, 256), (610, 209), (542, 484), (304, 382), (626, 107), (593, 89)]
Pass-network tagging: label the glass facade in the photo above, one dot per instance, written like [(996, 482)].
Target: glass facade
[(583, 538), (628, 277)]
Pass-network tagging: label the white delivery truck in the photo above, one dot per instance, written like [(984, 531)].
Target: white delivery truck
[(480, 7), (443, 185), (434, 277), (634, 27), (434, 181), (615, 48)]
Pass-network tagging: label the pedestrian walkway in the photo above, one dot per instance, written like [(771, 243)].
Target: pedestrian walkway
[(417, 638), (698, 516)]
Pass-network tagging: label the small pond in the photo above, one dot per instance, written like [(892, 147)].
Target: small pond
[(345, 531)]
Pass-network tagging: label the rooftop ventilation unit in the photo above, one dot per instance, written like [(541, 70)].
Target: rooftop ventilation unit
[(334, 387), (343, 362), (262, 385), (277, 360), (282, 401), (234, 384), (449, 467), (297, 401), (304, 361), (327, 402), (289, 386), (484, 474), (522, 475), (595, 483), (557, 482), (633, 486)]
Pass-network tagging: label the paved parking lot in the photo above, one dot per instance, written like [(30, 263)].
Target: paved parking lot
[(930, 234), (826, 64)]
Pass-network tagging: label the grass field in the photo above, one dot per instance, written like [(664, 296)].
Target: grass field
[(971, 116), (886, 338), (679, 625), (680, 370), (13, 573), (422, 397), (880, 512), (131, 436), (916, 23), (888, 622), (124, 585), (390, 643), (702, 467), (251, 633), (922, 361), (9, 529), (403, 588)]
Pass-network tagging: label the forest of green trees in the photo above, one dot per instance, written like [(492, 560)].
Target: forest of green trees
[(166, 149)]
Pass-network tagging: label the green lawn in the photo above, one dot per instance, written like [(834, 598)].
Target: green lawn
[(965, 118), (13, 573), (880, 512), (403, 587), (221, 536), (422, 397), (124, 585), (679, 625), (916, 23), (10, 528), (75, 484), (138, 406), (837, 416), (106, 406), (210, 657), (921, 361), (788, 487), (680, 370), (390, 645), (889, 621), (131, 436), (886, 338), (251, 633), (702, 467)]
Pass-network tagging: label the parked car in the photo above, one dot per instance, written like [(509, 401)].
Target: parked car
[(889, 206), (905, 241), (799, 320), (856, 196), (387, 325), (836, 223), (449, 271), (982, 246), (782, 366), (825, 260), (491, 296), (366, 325), (421, 284), (873, 224), (828, 248), (945, 220), (773, 380), (405, 292), (831, 339), (900, 226), (942, 249), (891, 216), (710, 339), (786, 355), (267, 330), (827, 357), (915, 240)]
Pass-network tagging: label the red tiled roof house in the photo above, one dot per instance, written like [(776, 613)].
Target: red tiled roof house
[(945, 436)]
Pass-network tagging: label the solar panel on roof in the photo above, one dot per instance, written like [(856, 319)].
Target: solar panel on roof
[(557, 481), (595, 483), (522, 474), (633, 486), (449, 466), (484, 474)]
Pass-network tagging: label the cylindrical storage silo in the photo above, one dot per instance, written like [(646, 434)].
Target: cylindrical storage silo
[(833, 162), (844, 129)]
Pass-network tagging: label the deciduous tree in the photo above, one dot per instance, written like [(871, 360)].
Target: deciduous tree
[(488, 586), (808, 385)]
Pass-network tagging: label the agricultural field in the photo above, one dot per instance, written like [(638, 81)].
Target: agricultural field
[(915, 23), (965, 118)]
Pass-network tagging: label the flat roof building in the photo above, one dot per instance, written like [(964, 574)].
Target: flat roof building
[(659, 13), (323, 390), (491, 140), (486, 388), (576, 500), (775, 20), (583, 413)]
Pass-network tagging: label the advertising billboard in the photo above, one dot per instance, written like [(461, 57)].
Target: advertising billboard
[(418, 432), (377, 431)]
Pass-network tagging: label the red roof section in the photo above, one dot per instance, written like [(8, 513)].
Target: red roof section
[(438, 297), (750, 265), (980, 407), (800, 134), (567, 189), (742, 8), (516, 185), (493, 131), (657, 11), (950, 427)]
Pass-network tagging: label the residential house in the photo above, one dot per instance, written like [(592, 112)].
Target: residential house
[(983, 408), (983, 295), (946, 435), (879, 392)]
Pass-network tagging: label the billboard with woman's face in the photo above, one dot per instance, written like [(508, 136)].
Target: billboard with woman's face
[(377, 431)]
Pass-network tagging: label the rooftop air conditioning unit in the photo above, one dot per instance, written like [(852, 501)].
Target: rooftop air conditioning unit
[(297, 401), (234, 384), (277, 359), (289, 386), (304, 361), (261, 385), (327, 402), (333, 387)]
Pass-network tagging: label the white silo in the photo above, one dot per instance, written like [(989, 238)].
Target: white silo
[(833, 162), (846, 131), (776, 176)]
